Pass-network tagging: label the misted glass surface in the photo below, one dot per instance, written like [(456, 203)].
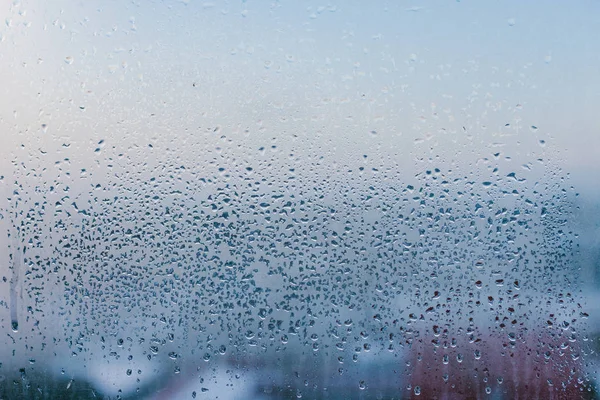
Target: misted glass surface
[(299, 199)]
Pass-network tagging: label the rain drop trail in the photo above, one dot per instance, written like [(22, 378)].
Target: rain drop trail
[(14, 284), (11, 259)]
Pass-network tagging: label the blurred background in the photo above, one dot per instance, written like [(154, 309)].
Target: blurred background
[(296, 199)]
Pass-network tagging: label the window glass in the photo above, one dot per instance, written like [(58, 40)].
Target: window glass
[(299, 199)]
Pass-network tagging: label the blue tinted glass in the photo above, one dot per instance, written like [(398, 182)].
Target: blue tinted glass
[(294, 199)]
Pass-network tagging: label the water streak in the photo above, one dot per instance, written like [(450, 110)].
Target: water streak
[(14, 285)]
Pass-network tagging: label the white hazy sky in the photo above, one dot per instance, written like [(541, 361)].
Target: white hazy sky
[(329, 72)]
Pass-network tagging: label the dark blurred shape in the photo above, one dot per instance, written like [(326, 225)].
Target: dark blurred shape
[(37, 383), (526, 366)]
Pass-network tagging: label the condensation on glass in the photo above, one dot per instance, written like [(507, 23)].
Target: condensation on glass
[(281, 199)]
